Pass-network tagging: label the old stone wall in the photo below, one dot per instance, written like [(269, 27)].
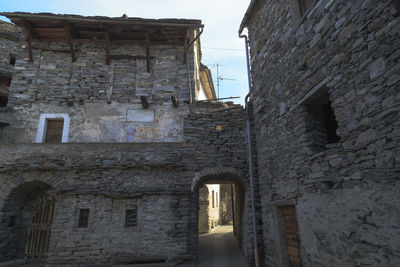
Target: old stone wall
[(226, 203), (9, 35), (346, 193), (158, 179), (102, 101), (203, 209)]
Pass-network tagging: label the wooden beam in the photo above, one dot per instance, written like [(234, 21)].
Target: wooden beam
[(29, 39), (147, 40), (185, 43), (69, 39), (107, 40), (116, 57)]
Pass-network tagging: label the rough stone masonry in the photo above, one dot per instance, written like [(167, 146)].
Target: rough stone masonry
[(120, 185), (326, 98)]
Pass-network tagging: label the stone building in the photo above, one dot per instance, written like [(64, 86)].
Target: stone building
[(326, 100), (103, 144), (209, 207)]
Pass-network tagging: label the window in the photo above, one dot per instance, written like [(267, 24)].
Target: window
[(131, 217), (53, 128), (83, 218), (12, 60), (330, 122), (321, 121), (12, 222), (4, 85), (213, 201), (54, 131), (216, 199)]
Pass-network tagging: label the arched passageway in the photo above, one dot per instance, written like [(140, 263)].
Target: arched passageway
[(221, 219), (25, 222)]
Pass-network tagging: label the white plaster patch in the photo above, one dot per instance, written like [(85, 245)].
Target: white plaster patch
[(140, 115), (41, 133)]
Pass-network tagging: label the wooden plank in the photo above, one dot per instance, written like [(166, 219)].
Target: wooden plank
[(29, 39), (147, 51), (185, 45), (107, 40), (54, 131), (117, 57), (69, 39)]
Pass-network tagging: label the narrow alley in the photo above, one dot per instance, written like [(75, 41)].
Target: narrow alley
[(219, 248)]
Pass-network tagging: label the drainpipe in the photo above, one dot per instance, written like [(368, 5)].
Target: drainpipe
[(250, 155), (188, 64)]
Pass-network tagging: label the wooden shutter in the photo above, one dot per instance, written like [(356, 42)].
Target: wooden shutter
[(54, 131)]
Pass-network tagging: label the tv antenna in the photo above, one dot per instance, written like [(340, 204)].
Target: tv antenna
[(220, 78)]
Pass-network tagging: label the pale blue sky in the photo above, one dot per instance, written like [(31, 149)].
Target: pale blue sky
[(220, 42)]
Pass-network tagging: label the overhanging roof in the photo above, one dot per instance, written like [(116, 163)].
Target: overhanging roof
[(56, 27), (70, 28), (249, 13)]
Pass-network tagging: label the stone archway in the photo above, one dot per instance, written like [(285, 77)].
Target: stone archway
[(25, 221), (221, 175)]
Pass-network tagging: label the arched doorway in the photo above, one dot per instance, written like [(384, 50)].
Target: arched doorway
[(227, 229), (25, 224)]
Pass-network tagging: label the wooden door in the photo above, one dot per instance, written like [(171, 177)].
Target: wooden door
[(37, 242), (292, 235)]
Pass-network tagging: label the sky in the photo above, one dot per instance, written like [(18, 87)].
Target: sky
[(220, 42)]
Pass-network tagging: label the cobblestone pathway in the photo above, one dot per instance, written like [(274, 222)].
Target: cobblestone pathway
[(219, 249)]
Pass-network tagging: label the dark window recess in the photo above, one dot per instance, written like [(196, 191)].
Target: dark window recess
[(12, 60), (321, 122), (292, 239), (4, 85), (330, 123), (131, 217), (304, 6), (83, 218), (54, 131), (13, 221)]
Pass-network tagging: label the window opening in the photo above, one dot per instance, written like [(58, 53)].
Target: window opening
[(12, 222), (83, 219), (4, 85), (12, 60), (330, 123), (54, 130), (131, 217), (212, 195), (321, 121)]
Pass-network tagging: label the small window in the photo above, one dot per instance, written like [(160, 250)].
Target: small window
[(83, 218), (54, 130), (213, 200), (4, 85), (12, 221), (131, 217), (12, 60), (330, 122), (216, 199), (321, 121)]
